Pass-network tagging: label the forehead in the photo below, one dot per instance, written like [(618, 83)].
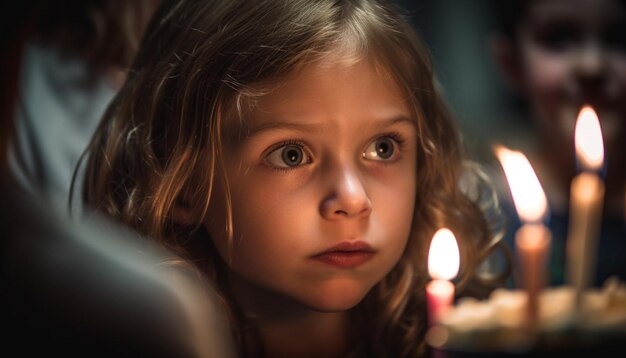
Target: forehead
[(327, 90), (315, 80)]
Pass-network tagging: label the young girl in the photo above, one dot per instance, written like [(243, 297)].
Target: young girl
[(299, 154)]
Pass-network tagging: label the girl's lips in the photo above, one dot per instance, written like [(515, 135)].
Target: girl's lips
[(347, 254)]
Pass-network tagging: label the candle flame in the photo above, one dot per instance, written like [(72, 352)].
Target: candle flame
[(443, 256), (588, 139), (529, 198)]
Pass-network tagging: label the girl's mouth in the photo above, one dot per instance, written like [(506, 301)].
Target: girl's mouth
[(348, 254)]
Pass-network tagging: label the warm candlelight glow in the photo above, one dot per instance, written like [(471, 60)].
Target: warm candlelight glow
[(443, 266), (586, 201), (588, 139), (443, 256), (530, 200), (532, 239)]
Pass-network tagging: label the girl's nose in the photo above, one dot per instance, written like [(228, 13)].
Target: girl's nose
[(590, 62), (347, 197)]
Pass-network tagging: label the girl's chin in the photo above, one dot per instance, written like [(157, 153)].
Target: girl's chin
[(330, 307), (566, 117), (336, 300)]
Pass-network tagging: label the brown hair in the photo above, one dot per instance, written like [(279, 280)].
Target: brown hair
[(197, 64)]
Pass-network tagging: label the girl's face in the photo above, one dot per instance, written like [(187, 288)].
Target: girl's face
[(573, 52), (323, 188)]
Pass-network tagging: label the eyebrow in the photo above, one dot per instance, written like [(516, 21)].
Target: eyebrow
[(317, 128), (397, 120), (277, 124)]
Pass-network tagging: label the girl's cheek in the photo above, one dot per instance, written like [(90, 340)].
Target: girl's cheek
[(546, 73)]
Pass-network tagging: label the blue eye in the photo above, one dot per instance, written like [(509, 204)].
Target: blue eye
[(288, 156), (383, 148)]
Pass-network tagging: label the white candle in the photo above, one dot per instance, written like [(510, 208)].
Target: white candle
[(532, 245), (586, 200), (443, 266), (532, 239)]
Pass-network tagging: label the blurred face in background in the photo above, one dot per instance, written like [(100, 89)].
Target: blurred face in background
[(573, 52)]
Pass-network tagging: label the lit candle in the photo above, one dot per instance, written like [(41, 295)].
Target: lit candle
[(532, 239), (586, 199), (443, 266)]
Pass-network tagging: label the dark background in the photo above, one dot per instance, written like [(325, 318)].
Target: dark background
[(458, 34)]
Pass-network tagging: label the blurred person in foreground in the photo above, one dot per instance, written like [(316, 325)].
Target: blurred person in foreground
[(75, 59), (558, 55), (92, 289)]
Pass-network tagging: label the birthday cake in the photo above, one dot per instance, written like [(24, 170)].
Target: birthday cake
[(499, 325)]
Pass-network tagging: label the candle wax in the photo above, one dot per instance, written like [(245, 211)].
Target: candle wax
[(440, 297), (532, 242), (586, 199)]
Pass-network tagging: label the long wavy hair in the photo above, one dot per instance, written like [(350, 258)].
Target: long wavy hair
[(199, 62)]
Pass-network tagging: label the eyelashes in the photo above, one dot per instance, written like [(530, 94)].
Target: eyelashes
[(293, 154)]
